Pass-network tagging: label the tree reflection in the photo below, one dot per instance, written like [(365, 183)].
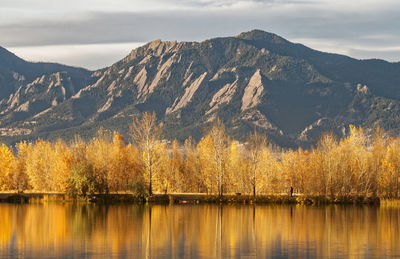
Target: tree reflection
[(201, 231)]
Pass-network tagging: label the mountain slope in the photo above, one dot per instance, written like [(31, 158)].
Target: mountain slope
[(254, 80), (27, 89)]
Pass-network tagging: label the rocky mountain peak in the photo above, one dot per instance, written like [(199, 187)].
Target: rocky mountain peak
[(154, 48), (259, 35)]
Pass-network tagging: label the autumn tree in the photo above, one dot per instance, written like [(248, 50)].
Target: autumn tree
[(81, 181), (137, 184), (327, 147), (302, 181), (99, 152), (124, 167), (288, 161), (6, 162), (39, 166), (269, 173), (389, 177), (178, 177), (20, 179), (146, 135), (255, 144), (217, 143), (207, 165), (379, 149), (194, 181), (236, 165), (61, 170), (344, 173), (163, 178), (359, 160)]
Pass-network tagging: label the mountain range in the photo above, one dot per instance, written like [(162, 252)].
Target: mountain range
[(255, 80)]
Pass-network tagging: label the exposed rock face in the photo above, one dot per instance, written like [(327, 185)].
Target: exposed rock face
[(223, 96), (140, 80), (254, 80), (253, 92), (187, 96)]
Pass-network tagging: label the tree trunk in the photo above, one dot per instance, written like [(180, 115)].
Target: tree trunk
[(150, 187), (254, 178)]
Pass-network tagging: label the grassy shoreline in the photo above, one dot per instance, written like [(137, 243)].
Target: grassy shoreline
[(193, 199)]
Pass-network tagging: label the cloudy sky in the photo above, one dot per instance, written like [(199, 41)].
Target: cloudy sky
[(96, 33)]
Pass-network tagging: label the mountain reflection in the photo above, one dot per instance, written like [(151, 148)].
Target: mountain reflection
[(200, 231)]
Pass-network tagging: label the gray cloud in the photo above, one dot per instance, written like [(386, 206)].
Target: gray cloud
[(119, 27), (364, 31)]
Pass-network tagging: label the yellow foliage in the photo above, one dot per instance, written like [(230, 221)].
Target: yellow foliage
[(358, 164), (20, 179), (6, 162)]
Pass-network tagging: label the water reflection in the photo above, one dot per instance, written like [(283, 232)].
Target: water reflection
[(200, 231)]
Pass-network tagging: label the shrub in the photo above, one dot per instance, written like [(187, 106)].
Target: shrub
[(81, 181), (139, 190)]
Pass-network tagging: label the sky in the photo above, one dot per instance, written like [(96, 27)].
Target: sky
[(96, 33)]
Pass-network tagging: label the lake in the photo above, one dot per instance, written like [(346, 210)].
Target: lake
[(56, 230)]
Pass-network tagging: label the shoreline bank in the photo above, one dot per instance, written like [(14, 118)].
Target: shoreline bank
[(191, 199)]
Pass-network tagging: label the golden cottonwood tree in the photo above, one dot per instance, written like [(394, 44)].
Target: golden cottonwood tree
[(389, 177), (236, 165), (162, 174), (289, 164), (379, 144), (215, 144), (20, 179), (302, 184), (123, 166), (345, 173), (146, 135), (255, 144), (6, 162), (359, 160), (63, 159), (39, 163), (207, 164), (268, 173), (137, 171), (81, 181), (98, 154), (194, 181), (47, 165), (328, 147), (176, 169)]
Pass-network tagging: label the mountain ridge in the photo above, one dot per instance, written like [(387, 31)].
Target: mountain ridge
[(255, 80)]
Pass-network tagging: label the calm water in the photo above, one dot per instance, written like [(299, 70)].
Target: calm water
[(199, 231)]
